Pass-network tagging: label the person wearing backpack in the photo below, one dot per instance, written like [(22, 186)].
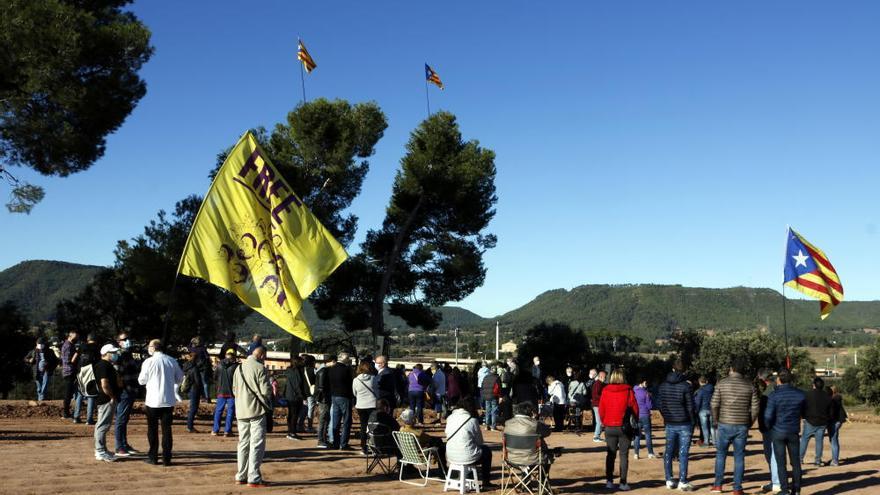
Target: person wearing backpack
[(295, 393), (88, 354), (43, 361), (490, 392), (109, 387), (160, 374)]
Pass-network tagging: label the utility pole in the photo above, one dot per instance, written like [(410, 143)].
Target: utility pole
[(497, 346), (456, 345)]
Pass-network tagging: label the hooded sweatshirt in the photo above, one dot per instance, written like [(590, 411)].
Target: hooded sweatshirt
[(364, 388), (676, 401)]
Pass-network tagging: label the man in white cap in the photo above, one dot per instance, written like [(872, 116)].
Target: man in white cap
[(161, 374), (109, 387)]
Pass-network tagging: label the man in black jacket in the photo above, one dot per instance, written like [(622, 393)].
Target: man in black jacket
[(676, 404), (225, 398), (322, 397), (340, 380), (386, 382), (816, 418)]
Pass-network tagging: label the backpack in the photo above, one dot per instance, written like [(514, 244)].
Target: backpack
[(86, 383)]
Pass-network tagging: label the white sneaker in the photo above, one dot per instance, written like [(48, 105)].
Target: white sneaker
[(776, 488), (609, 485), (670, 484), (598, 440), (623, 487), (652, 456), (105, 458), (635, 456), (685, 486)]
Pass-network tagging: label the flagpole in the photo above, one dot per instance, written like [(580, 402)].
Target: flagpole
[(784, 319), (427, 98), (302, 78)]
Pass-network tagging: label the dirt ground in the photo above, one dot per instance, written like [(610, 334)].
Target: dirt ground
[(44, 454)]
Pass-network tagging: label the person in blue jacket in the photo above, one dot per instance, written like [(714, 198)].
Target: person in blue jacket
[(702, 403), (785, 409)]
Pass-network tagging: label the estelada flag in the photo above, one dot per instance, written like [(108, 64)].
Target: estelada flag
[(808, 270), (303, 56), (432, 76), (254, 237)]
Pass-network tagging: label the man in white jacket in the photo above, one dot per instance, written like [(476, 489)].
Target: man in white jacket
[(464, 441), (161, 374)]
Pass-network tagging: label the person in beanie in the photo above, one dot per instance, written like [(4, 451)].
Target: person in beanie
[(253, 396), (225, 399), (676, 404)]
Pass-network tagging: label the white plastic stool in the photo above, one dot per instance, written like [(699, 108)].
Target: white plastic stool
[(461, 481)]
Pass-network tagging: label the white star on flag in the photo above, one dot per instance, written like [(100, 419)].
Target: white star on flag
[(800, 259)]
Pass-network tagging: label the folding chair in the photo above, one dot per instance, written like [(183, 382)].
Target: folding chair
[(573, 417), (412, 454), (515, 478), (381, 450)]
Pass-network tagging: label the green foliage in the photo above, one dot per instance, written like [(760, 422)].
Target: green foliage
[(135, 294), (758, 350), (557, 345), (867, 374), (16, 344), (430, 247), (37, 286), (687, 344), (68, 78), (24, 197)]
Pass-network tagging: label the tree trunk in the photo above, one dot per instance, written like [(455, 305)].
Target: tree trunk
[(378, 323)]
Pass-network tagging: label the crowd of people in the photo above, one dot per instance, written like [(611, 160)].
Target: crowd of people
[(321, 397)]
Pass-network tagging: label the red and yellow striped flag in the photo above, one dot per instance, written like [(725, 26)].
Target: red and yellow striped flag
[(808, 270), (303, 56)]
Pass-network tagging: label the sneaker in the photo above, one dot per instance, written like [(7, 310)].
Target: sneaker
[(684, 486), (192, 430), (715, 489), (345, 447), (227, 434), (151, 462), (623, 487), (122, 453), (609, 485), (322, 445), (776, 489), (77, 421), (635, 456), (91, 423), (597, 440), (214, 433), (240, 482), (652, 456), (670, 484), (820, 464), (292, 437), (131, 451), (106, 457), (834, 463)]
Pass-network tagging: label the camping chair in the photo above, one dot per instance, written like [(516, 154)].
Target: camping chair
[(381, 450), (516, 478), (413, 454), (573, 417)]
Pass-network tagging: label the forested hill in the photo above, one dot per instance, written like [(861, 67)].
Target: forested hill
[(36, 286), (651, 311)]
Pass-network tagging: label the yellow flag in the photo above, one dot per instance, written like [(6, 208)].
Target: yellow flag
[(254, 237)]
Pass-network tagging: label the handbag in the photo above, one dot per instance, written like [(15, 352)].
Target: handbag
[(630, 424)]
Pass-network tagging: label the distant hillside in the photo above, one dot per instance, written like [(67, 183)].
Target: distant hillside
[(653, 310), (36, 286)]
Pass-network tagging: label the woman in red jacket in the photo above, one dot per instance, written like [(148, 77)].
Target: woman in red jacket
[(616, 398)]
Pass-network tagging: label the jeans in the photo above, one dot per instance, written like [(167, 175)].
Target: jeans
[(706, 426), (598, 421), (812, 431), (323, 422), (227, 403), (768, 455), (678, 440), (645, 426), (491, 413), (42, 380), (90, 407), (340, 421), (194, 394), (69, 393), (306, 414), (105, 419), (727, 435), (206, 378), (615, 440), (251, 448), (783, 442), (438, 403), (154, 416), (123, 412), (417, 404), (834, 437)]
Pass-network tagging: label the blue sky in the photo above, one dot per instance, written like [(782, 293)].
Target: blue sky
[(636, 141)]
